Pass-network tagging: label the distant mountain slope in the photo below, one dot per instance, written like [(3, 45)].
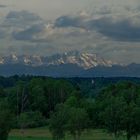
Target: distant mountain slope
[(132, 70), (71, 70)]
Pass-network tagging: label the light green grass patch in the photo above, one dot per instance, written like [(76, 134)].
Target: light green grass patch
[(44, 134)]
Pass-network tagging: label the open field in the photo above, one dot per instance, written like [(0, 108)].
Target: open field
[(35, 132), (44, 134)]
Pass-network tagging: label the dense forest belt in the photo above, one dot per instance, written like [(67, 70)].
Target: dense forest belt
[(89, 86), (69, 107)]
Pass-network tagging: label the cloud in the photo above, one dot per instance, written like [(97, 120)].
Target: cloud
[(68, 21), (121, 29), (29, 34), (21, 19), (3, 6), (21, 25), (23, 15), (116, 27), (2, 33), (45, 32)]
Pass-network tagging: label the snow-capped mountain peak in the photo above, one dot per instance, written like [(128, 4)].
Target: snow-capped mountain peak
[(84, 60)]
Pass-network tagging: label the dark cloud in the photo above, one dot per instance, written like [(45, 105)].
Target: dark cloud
[(2, 34), (3, 6), (23, 15), (21, 25), (21, 19), (30, 33), (118, 29), (68, 21), (22, 28)]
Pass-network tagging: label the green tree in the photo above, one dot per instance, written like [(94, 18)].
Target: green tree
[(132, 121), (73, 101), (58, 121), (56, 92), (6, 120), (113, 116), (18, 97), (37, 98), (119, 107), (77, 122)]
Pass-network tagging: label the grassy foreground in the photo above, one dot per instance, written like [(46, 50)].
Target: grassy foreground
[(44, 134)]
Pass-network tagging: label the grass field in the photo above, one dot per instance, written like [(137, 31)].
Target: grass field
[(44, 134)]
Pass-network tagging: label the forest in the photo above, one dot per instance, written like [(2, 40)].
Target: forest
[(70, 106)]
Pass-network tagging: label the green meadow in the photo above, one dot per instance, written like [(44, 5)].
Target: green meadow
[(44, 134)]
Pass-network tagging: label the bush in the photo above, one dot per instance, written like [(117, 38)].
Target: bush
[(31, 120)]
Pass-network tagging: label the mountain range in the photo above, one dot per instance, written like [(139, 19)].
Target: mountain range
[(69, 64)]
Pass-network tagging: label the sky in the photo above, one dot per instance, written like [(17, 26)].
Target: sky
[(110, 28)]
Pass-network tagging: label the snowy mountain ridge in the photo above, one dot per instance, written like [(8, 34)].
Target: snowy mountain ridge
[(84, 60)]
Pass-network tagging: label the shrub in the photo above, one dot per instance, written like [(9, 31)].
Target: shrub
[(31, 120)]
